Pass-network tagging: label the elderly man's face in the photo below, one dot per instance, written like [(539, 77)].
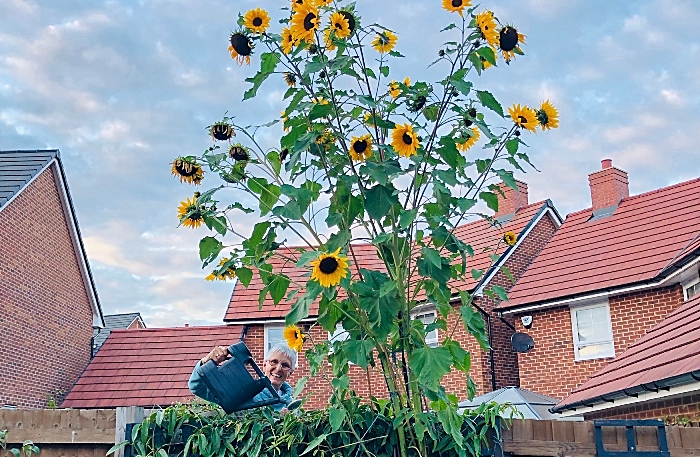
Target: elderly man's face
[(277, 368)]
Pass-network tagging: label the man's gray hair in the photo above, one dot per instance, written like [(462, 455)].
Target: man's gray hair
[(285, 350)]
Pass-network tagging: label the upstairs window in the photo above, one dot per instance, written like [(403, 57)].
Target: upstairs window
[(592, 329), (427, 318), (273, 337), (691, 289)]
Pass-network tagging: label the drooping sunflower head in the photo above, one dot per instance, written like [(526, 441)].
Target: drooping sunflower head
[(187, 170), (290, 79), (190, 214), (485, 63), (547, 116), (325, 140), (222, 274), (340, 24), (510, 238), (256, 20), (221, 131), (238, 152), (404, 140), (241, 48), (294, 337), (509, 40), (394, 90), (328, 39), (456, 6), (384, 41), (361, 148), (524, 117), (288, 41), (284, 154), (304, 23), (487, 26), (329, 268), (417, 103), (473, 137)]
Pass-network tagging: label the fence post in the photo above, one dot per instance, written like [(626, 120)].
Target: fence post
[(126, 415)]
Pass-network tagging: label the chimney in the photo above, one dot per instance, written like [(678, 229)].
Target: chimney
[(511, 200), (608, 187)]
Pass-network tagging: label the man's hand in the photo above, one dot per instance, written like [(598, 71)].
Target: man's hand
[(219, 355)]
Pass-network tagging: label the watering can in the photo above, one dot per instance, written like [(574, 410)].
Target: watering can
[(232, 382)]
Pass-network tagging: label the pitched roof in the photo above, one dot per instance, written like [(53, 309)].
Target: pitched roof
[(480, 234), (665, 357), (146, 367), (645, 239), (18, 168), (113, 322)]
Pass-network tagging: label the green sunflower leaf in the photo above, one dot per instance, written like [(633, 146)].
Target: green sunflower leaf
[(209, 249), (245, 275), (268, 61), (476, 61), (431, 112), (336, 416), (476, 274), (370, 73), (507, 178), (314, 66), (367, 100), (487, 53), (431, 364), (313, 444), (490, 102), (359, 352), (385, 124), (501, 292), (276, 285), (305, 258), (463, 87), (449, 27), (300, 308), (320, 111), (384, 70), (512, 146), (379, 199), (217, 223), (491, 200), (395, 54), (407, 217), (433, 256)]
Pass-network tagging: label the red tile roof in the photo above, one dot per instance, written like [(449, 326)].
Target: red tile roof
[(479, 234), (670, 349), (146, 367), (647, 234)]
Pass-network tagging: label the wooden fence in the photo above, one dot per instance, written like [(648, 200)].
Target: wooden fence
[(576, 439)]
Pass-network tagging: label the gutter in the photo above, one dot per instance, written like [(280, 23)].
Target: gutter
[(637, 394)]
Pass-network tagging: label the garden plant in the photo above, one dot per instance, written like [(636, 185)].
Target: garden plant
[(366, 156)]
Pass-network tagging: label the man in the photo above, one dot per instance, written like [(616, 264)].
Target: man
[(281, 361)]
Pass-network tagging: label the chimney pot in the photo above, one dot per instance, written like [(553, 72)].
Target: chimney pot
[(187, 325), (511, 200), (608, 186)]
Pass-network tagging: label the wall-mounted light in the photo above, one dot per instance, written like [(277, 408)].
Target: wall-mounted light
[(527, 321)]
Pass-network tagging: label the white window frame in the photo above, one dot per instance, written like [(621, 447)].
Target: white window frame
[(432, 339), (688, 284), (574, 330), (269, 327)]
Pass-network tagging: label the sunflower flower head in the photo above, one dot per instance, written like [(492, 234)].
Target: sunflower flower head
[(404, 140), (304, 23), (487, 26), (188, 170), (361, 148), (510, 238), (256, 20), (238, 152), (328, 40), (294, 337), (547, 116), (524, 117), (290, 79), (471, 140), (222, 274), (342, 24), (221, 131), (394, 90), (288, 41), (240, 48), (384, 41), (329, 268), (456, 6), (190, 213), (509, 40)]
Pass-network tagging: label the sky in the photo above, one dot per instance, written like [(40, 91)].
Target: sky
[(124, 87)]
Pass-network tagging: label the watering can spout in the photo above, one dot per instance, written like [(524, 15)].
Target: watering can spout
[(237, 381)]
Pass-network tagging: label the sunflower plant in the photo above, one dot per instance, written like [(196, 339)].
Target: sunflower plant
[(365, 160)]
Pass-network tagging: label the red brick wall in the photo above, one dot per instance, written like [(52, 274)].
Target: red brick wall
[(505, 358), (687, 407), (45, 315), (550, 368)]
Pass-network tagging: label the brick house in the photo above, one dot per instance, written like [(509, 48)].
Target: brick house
[(533, 223), (610, 274), (129, 321), (657, 376), (48, 301)]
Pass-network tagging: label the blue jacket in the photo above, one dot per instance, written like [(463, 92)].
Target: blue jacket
[(197, 387)]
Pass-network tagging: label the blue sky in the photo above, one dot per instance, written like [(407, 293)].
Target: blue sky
[(123, 87)]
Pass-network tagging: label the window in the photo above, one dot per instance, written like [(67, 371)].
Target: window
[(273, 336), (339, 334), (427, 318), (592, 330), (691, 289)]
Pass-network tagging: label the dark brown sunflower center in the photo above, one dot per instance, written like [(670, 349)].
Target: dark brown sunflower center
[(238, 153), (456, 3), (360, 146), (309, 21), (408, 139), (185, 169), (383, 39), (222, 132), (240, 44), (328, 265), (257, 22), (508, 38), (522, 119), (350, 18)]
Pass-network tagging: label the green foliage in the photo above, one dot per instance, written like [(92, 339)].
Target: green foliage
[(348, 429), (28, 448)]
